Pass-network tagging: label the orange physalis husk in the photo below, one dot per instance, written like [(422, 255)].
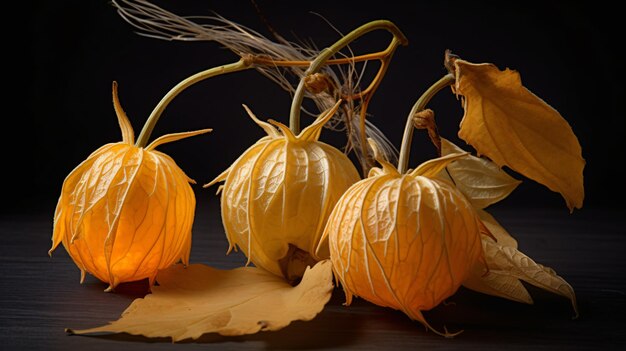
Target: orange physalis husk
[(278, 194), (405, 241), (126, 211), (513, 127)]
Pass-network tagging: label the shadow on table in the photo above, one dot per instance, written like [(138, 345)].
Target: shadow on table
[(484, 319)]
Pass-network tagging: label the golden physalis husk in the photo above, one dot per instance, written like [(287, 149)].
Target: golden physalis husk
[(405, 241), (278, 194), (126, 211)]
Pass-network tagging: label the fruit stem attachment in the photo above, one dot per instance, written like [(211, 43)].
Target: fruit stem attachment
[(144, 136), (327, 53), (420, 104)]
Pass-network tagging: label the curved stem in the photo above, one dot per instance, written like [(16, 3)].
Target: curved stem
[(420, 104), (326, 54), (384, 57), (144, 136), (367, 95), (260, 60)]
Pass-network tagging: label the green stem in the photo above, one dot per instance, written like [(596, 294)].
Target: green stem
[(326, 54), (144, 136), (420, 104)]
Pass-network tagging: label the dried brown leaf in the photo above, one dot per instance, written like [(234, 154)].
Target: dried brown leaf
[(515, 128), (196, 300)]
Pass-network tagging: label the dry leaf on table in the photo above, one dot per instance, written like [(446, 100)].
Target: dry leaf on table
[(199, 299)]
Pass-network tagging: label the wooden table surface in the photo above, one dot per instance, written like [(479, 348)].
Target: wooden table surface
[(40, 296)]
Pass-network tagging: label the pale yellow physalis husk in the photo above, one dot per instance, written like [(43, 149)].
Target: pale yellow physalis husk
[(404, 241), (277, 196), (126, 212)]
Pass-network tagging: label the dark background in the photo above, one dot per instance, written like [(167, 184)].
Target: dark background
[(74, 49)]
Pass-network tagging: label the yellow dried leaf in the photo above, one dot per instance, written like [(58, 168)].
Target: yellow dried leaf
[(126, 212), (403, 241), (497, 284), (514, 127), (479, 179), (277, 196), (501, 235), (198, 300), (506, 265)]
